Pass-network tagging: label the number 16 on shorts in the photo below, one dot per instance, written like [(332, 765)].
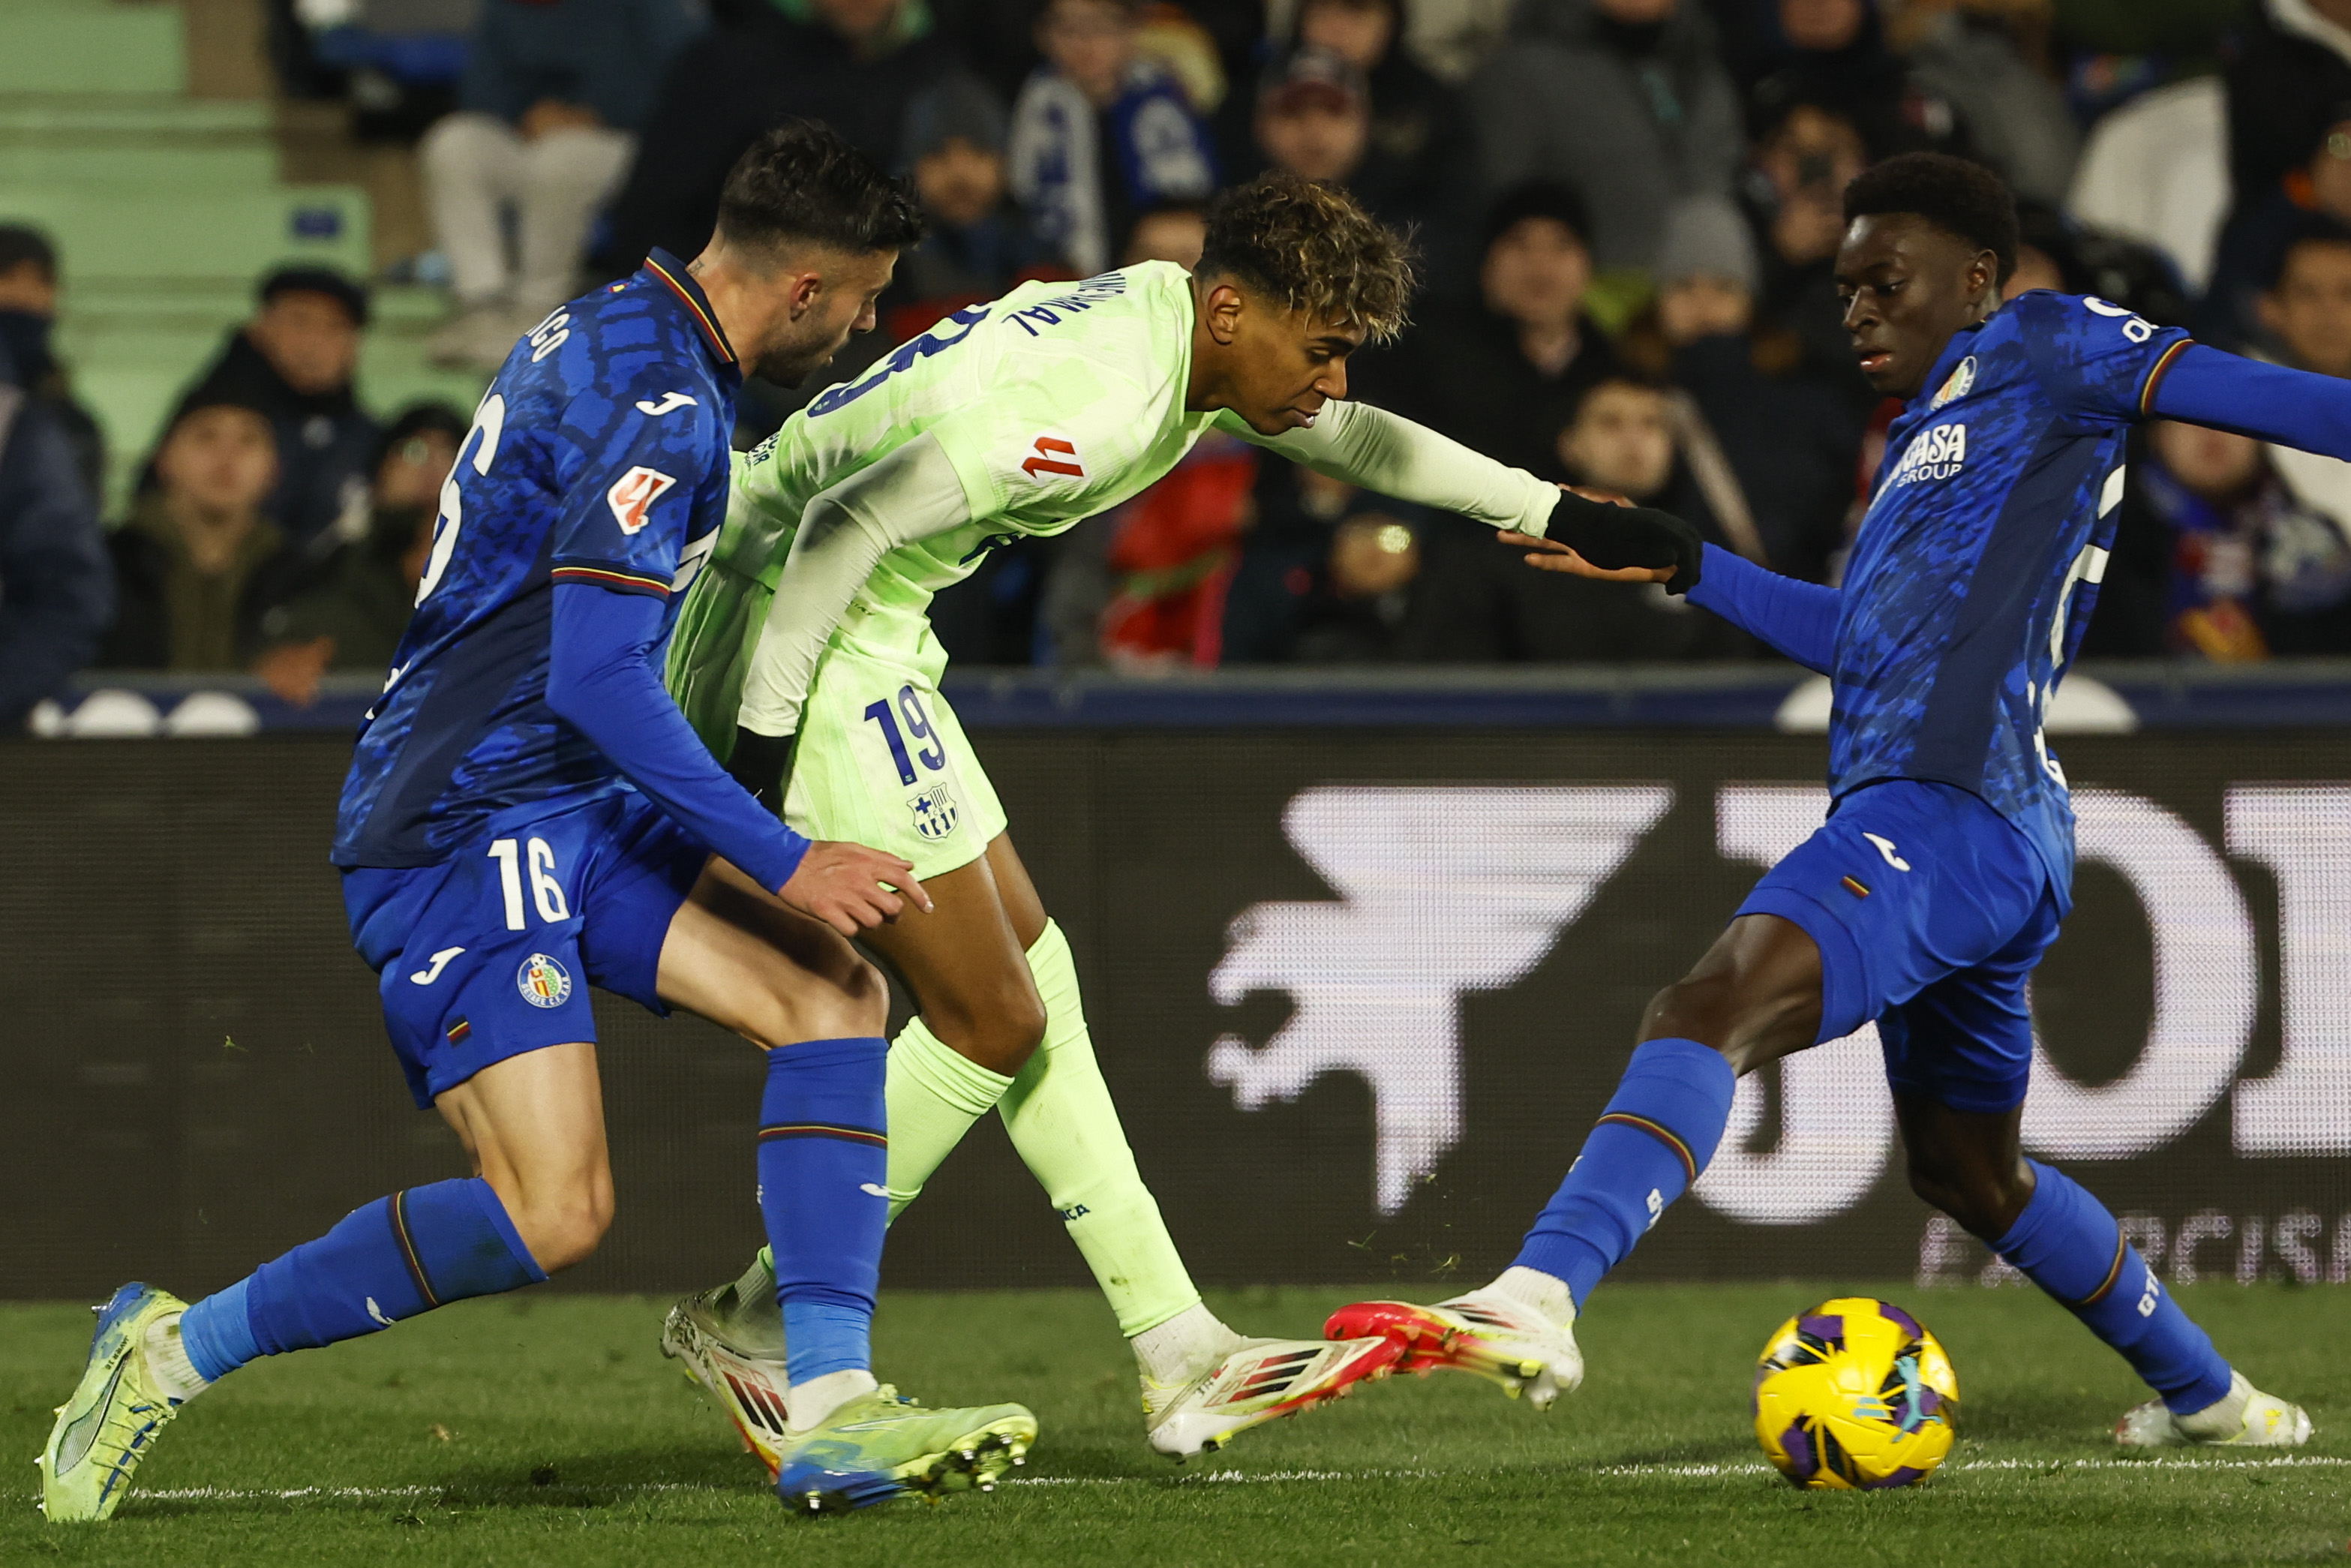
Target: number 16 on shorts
[(914, 743)]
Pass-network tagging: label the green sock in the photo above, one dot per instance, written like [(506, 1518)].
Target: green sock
[(934, 1093), (1061, 1120)]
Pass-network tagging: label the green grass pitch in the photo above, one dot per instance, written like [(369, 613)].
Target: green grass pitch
[(547, 1429)]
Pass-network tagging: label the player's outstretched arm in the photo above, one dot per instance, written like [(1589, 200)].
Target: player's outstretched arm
[(2293, 408), (600, 680), (1390, 456), (1797, 619), (913, 494)]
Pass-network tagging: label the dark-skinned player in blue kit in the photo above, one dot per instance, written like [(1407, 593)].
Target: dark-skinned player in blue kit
[(1946, 863), (528, 814)]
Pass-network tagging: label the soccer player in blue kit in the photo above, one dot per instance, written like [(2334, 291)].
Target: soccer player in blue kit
[(528, 814), (1947, 861)]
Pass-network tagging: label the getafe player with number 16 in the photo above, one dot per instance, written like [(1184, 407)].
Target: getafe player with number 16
[(528, 814)]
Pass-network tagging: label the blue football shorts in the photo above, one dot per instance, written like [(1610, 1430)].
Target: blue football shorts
[(1930, 911), (490, 953)]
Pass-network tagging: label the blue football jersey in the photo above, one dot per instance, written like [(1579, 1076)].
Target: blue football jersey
[(1973, 575), (599, 455)]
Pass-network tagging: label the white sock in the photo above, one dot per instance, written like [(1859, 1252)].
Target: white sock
[(808, 1404), (167, 1360), (1183, 1347), (1538, 1291), (2223, 1417)]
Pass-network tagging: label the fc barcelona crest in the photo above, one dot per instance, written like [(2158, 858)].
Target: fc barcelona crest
[(935, 812)]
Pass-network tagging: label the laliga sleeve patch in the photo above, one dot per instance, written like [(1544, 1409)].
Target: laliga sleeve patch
[(633, 494), (543, 982)]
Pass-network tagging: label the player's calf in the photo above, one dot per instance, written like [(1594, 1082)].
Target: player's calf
[(390, 1260)]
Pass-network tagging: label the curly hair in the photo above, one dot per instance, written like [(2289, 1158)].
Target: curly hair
[(803, 181), (1312, 247), (1960, 198)]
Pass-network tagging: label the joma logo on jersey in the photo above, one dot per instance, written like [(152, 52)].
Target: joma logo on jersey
[(1935, 453), (633, 494), (1052, 455)]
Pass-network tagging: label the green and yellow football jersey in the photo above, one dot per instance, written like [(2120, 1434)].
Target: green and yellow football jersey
[(1055, 403)]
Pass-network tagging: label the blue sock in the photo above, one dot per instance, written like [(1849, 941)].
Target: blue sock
[(1658, 1134), (393, 1258), (2068, 1244), (823, 1158)]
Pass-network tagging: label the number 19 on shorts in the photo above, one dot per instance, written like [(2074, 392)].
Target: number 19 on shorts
[(912, 739)]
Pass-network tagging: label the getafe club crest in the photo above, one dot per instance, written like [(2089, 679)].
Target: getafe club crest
[(935, 812), (1962, 382), (543, 982)]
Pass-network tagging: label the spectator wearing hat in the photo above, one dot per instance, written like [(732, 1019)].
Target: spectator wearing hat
[(28, 314), (1772, 442), (1626, 101), (1314, 117), (856, 65), (1421, 161), (1100, 134), (1505, 375), (553, 95), (979, 243), (294, 361), (57, 594), (199, 563), (352, 619)]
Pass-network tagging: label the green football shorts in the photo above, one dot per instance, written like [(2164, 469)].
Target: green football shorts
[(882, 761)]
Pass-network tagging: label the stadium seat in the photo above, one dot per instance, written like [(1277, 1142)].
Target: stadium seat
[(167, 210)]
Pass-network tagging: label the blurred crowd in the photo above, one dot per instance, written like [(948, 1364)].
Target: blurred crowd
[(1627, 212)]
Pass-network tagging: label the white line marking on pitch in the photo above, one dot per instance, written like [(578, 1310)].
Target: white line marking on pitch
[(1198, 1478)]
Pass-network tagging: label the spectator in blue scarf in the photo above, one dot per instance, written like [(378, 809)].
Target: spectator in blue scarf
[(1099, 134)]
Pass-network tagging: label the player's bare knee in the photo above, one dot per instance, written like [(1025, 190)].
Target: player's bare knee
[(1001, 1036), (1981, 1202), (565, 1229), (1695, 1008), (865, 993)]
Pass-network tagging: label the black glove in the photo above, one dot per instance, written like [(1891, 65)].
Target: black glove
[(763, 765), (1610, 537)]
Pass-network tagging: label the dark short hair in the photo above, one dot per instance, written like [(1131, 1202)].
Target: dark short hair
[(1965, 200), (21, 243), (311, 279), (415, 419), (2308, 228), (1536, 199), (803, 182), (1313, 247), (205, 399)]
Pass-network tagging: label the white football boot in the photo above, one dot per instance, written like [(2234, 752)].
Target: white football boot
[(1487, 1331), (731, 1339), (2246, 1418), (1254, 1382)]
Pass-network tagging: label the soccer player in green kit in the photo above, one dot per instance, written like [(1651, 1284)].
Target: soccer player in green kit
[(805, 659)]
